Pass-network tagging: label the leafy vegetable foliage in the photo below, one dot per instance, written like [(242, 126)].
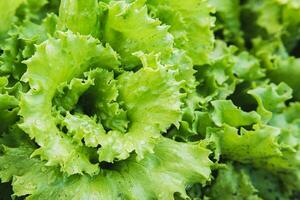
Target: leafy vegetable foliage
[(156, 99)]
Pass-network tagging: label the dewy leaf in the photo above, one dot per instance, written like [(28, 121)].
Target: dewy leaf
[(128, 99), (79, 16), (169, 170), (182, 67), (101, 100), (155, 91), (150, 89), (129, 29), (84, 130), (68, 94), (45, 73), (190, 23), (81, 127)]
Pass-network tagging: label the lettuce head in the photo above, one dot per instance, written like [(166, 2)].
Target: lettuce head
[(149, 99)]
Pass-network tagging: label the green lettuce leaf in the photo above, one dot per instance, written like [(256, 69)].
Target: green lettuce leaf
[(249, 146), (236, 181), (271, 98), (9, 103), (123, 27), (273, 18), (228, 13), (101, 100), (288, 122), (268, 185), (21, 44), (68, 94), (158, 175), (152, 89), (8, 111), (226, 113), (261, 148), (247, 67), (287, 71), (217, 81), (232, 183), (6, 17), (132, 99), (79, 16), (190, 24), (78, 54)]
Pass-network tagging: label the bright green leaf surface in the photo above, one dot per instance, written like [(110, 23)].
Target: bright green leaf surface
[(149, 99)]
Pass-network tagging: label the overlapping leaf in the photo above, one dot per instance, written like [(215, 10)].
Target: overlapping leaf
[(45, 73), (190, 24), (141, 116), (123, 27), (169, 168)]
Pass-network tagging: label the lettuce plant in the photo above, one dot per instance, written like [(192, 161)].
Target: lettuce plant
[(149, 99)]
